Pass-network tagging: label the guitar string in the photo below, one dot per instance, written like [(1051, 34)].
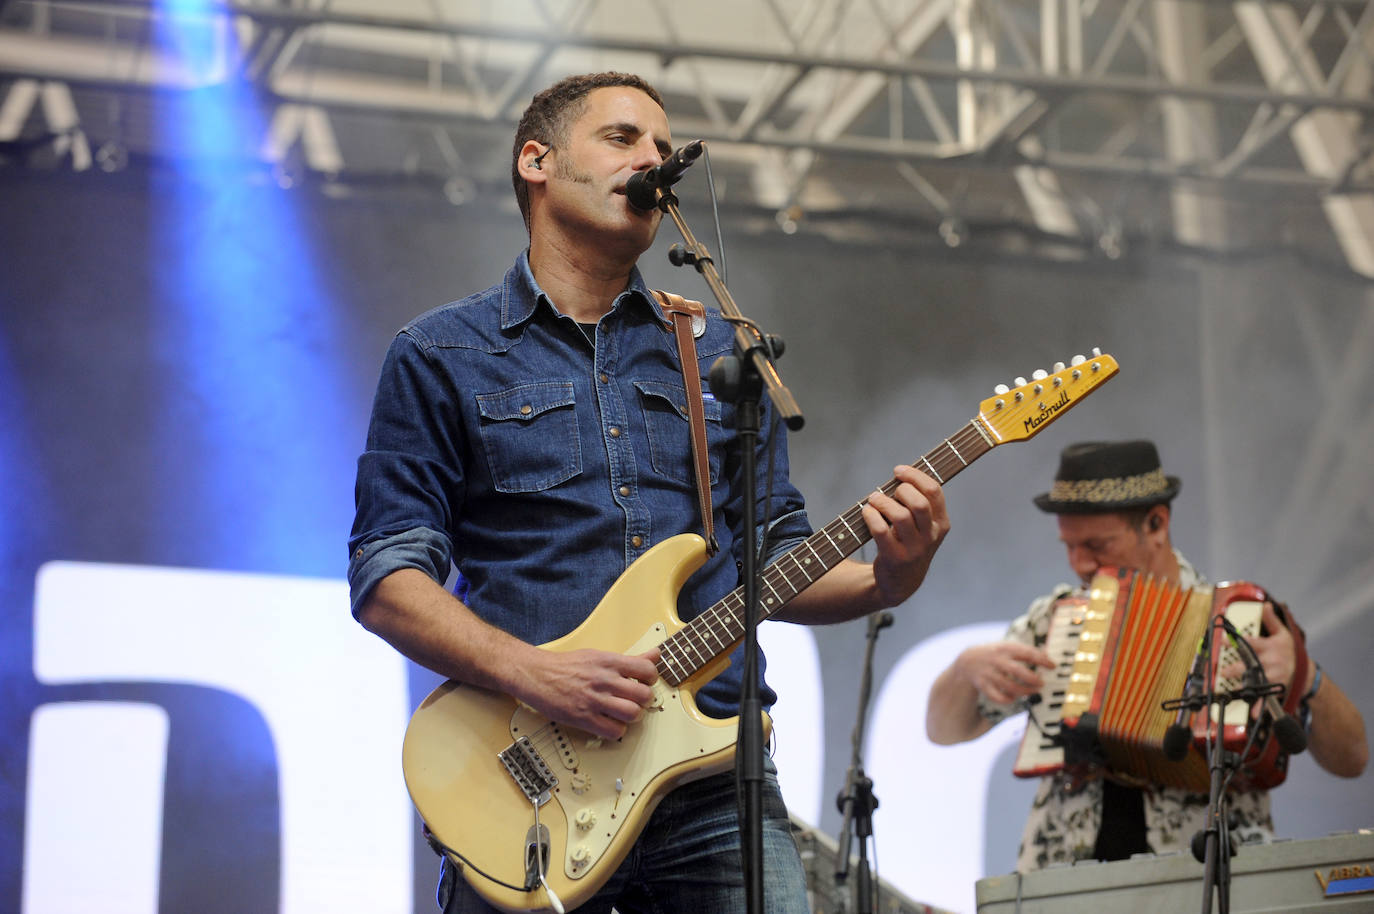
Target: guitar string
[(721, 620), (950, 456), (945, 461)]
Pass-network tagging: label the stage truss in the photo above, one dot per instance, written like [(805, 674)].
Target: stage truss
[(1099, 123)]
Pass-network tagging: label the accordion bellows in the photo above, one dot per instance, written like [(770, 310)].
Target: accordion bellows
[(1122, 650)]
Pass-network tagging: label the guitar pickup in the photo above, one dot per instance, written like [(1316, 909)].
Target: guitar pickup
[(528, 769), (565, 747)]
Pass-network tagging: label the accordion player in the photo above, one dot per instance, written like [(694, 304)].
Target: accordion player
[(1125, 651)]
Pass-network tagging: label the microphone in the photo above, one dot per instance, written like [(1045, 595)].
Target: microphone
[(640, 189), (1286, 729)]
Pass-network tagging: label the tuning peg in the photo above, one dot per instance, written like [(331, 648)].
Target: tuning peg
[(1077, 360), (1000, 389), (1096, 352), (1019, 382), (1058, 367), (1040, 374)]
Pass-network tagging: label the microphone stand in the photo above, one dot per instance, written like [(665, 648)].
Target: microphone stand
[(742, 380), (1216, 849), (856, 801), (1223, 764), (1208, 846)]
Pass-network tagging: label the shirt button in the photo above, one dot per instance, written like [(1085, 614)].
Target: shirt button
[(615, 432), (526, 410), (637, 541), (603, 377), (624, 490)]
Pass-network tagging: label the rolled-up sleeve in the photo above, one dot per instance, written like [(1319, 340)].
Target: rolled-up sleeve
[(784, 533), (421, 548), (410, 479)]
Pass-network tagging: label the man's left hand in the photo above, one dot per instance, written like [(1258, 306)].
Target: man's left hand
[(907, 528)]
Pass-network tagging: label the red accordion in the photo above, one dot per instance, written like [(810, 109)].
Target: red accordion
[(1122, 650)]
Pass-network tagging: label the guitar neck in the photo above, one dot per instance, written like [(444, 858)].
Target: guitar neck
[(718, 628)]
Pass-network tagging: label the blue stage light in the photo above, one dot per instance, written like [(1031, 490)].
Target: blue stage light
[(258, 455)]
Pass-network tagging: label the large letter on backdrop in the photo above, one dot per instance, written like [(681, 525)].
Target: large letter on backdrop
[(333, 697)]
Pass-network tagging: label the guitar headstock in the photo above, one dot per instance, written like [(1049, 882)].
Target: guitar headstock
[(1020, 412)]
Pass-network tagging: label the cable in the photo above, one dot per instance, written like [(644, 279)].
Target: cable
[(442, 848), (715, 214)]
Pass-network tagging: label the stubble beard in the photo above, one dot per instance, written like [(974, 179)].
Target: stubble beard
[(566, 170)]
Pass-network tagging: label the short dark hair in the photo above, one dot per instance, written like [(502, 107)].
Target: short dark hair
[(1136, 516), (550, 112)]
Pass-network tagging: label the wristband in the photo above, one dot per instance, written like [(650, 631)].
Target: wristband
[(1316, 683)]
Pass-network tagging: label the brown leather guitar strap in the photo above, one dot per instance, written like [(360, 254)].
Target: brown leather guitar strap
[(683, 313)]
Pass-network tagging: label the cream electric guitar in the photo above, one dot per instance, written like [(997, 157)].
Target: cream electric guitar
[(538, 815)]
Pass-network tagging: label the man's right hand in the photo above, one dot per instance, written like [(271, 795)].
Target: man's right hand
[(1003, 671), (601, 692)]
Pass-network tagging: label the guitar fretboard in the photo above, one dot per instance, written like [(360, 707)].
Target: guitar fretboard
[(718, 628)]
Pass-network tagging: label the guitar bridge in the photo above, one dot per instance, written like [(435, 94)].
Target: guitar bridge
[(528, 769)]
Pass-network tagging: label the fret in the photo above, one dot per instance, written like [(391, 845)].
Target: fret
[(814, 555), (791, 577), (844, 532), (949, 466), (721, 643), (697, 652), (783, 570), (933, 472), (728, 624), (978, 426), (727, 627), (956, 452), (774, 581), (783, 591), (670, 665), (704, 628), (700, 649)]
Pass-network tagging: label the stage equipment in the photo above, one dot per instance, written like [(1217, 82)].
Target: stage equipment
[(821, 860), (856, 801), (1335, 873)]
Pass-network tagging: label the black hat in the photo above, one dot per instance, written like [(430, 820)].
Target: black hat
[(1100, 476)]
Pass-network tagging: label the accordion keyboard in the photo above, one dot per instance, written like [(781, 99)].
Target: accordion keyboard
[(1040, 749)]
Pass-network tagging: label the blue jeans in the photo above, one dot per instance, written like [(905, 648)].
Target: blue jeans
[(687, 860)]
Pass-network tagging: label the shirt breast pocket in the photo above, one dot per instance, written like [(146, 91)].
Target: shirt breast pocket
[(670, 431), (529, 434)]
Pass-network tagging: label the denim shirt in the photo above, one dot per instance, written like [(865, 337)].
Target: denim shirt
[(503, 442)]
